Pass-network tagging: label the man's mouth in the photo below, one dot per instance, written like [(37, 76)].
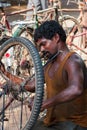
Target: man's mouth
[(46, 55)]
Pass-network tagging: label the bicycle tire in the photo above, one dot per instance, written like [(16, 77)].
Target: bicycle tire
[(38, 75), (73, 40), (24, 31), (68, 22)]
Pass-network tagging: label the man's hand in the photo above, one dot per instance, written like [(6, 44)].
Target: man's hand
[(42, 107), (31, 100)]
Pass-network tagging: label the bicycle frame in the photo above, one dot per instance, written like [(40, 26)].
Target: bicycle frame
[(72, 44), (81, 19), (35, 21)]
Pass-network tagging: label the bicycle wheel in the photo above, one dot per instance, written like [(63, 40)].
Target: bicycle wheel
[(68, 22), (72, 28), (16, 109), (23, 31)]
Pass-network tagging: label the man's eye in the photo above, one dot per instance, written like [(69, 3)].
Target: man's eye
[(40, 46)]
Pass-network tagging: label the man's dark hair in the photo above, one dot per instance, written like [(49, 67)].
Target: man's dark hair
[(48, 29)]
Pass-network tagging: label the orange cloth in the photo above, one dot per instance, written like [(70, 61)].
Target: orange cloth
[(75, 110)]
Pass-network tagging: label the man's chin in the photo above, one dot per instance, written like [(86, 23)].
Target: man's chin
[(52, 55), (47, 56)]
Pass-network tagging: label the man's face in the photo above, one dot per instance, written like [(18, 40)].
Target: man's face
[(47, 47)]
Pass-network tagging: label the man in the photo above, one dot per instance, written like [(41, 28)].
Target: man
[(65, 79)]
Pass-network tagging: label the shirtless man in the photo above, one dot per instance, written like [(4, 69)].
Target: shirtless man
[(65, 79)]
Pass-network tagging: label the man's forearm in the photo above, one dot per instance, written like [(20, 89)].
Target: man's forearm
[(29, 85)]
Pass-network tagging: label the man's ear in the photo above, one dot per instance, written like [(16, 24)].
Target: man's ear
[(56, 38)]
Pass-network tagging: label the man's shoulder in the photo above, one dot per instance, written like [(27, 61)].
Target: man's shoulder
[(75, 61), (75, 57)]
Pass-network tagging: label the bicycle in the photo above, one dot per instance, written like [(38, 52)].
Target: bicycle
[(26, 28), (5, 26), (74, 31), (21, 97), (6, 30), (16, 91), (55, 12), (77, 39), (29, 26)]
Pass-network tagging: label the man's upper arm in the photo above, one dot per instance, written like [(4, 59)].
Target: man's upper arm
[(75, 73)]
